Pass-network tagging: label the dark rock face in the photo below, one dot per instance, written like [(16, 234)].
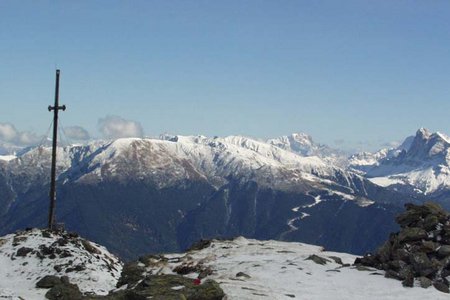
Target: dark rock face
[(64, 291), (317, 259), (48, 281), (421, 250), (23, 251)]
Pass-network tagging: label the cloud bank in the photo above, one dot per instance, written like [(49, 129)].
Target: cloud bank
[(9, 134), (77, 133), (113, 127)]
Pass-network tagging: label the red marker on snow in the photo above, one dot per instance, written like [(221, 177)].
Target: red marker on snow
[(197, 281)]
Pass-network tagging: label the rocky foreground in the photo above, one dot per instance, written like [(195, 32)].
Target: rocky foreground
[(41, 264), (38, 264), (420, 251)]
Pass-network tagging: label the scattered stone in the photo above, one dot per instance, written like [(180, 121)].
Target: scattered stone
[(285, 251), (64, 291), (444, 251), (440, 286), (46, 234), (199, 245), (408, 282), (317, 259), (89, 247), (48, 281), (242, 274), (160, 287), (425, 282), (23, 251), (73, 235), (46, 251), (18, 239), (65, 253), (336, 259), (62, 242), (131, 274), (363, 268), (409, 234), (185, 269), (58, 268), (77, 268)]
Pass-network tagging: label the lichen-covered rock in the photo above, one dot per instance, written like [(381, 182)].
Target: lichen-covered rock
[(176, 287), (410, 234), (131, 274), (425, 282)]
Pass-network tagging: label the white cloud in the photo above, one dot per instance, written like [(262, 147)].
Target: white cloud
[(392, 144), (9, 134), (77, 133), (113, 127)]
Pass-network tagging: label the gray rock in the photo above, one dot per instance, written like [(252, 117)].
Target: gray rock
[(421, 263), (442, 287), (64, 291), (48, 281), (242, 274), (412, 234), (408, 282), (444, 250), (317, 259), (23, 251), (430, 222), (336, 259), (425, 282), (428, 246)]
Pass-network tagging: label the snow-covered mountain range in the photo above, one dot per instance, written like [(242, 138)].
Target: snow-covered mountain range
[(181, 188), (171, 184)]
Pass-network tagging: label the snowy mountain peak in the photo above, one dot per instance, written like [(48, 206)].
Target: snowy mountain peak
[(423, 133), (427, 145), (421, 164), (300, 143)]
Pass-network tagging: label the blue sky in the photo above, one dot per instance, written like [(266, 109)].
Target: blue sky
[(356, 74)]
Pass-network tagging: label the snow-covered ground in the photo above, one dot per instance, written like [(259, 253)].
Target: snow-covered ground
[(244, 268), (7, 157), (281, 270), (19, 274)]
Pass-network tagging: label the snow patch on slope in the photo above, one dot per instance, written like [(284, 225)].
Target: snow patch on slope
[(251, 269)]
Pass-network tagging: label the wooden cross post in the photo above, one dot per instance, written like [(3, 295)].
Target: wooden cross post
[(56, 108)]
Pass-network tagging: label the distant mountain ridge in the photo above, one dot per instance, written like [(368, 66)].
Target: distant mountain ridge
[(163, 194)]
